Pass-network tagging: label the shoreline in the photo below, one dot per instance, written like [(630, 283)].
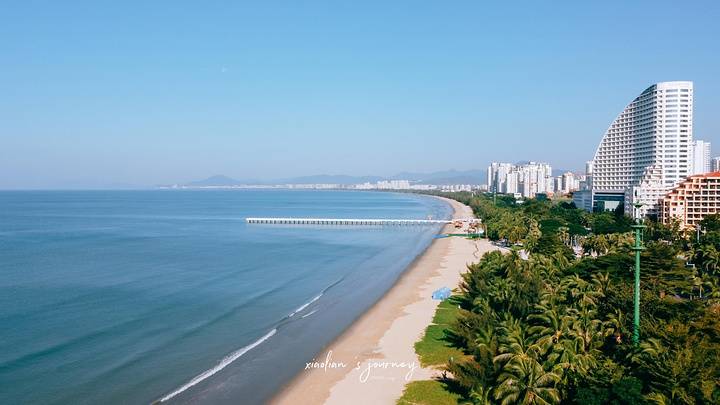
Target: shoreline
[(373, 360)]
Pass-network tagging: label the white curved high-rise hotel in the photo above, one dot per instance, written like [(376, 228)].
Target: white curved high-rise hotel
[(646, 151)]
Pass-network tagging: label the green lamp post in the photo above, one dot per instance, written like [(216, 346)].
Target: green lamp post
[(638, 227)]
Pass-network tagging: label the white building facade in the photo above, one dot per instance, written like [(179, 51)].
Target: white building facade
[(701, 157), (715, 164), (646, 151), (528, 179)]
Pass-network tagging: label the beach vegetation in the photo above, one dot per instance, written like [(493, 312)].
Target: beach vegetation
[(435, 347), (427, 392), (552, 324)]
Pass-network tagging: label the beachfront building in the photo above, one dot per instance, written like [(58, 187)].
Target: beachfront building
[(696, 197), (646, 151), (715, 164), (527, 179), (393, 185), (701, 157)]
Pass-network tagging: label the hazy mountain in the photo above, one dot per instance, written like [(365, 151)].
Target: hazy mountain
[(559, 172), (441, 177), (221, 181), (328, 179), (446, 177), (457, 180), (447, 174)]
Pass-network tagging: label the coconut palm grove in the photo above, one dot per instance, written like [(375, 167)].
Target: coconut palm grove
[(550, 319)]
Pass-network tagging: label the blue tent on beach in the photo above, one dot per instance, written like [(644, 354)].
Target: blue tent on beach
[(442, 293)]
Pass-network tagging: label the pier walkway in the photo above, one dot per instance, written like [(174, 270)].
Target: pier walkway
[(330, 221)]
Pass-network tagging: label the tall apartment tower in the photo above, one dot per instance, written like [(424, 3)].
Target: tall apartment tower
[(701, 157), (498, 177), (715, 164), (529, 179), (646, 151)]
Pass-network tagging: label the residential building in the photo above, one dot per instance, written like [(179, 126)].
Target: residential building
[(497, 177), (696, 197), (645, 152), (393, 185), (701, 157), (527, 179), (715, 164)]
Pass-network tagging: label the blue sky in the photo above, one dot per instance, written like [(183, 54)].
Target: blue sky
[(167, 92)]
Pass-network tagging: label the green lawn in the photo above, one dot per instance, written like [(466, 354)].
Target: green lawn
[(447, 311), (428, 393), (433, 349)]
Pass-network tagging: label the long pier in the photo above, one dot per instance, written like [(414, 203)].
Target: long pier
[(330, 221)]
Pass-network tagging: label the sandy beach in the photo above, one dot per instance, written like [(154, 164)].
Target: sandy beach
[(372, 361)]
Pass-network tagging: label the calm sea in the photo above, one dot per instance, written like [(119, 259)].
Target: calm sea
[(131, 297)]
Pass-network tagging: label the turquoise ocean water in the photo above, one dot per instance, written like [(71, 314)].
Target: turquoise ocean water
[(131, 297)]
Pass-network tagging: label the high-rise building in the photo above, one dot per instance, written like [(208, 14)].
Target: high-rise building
[(497, 177), (715, 164), (529, 179), (646, 151), (569, 182), (701, 157)]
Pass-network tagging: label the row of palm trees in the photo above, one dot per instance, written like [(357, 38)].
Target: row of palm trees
[(536, 347), (602, 244), (535, 333)]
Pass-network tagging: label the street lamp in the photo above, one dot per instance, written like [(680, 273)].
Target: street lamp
[(638, 226)]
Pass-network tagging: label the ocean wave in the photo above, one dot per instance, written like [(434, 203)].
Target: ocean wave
[(309, 313), (224, 363), (305, 305)]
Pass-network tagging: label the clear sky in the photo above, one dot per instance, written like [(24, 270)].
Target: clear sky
[(165, 92)]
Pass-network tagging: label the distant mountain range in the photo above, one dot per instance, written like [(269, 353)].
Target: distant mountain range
[(223, 181), (443, 177), (474, 177)]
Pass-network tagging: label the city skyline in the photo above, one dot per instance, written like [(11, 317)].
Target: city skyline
[(163, 93)]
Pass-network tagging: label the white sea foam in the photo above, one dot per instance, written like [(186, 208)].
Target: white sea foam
[(224, 363), (305, 305), (310, 313)]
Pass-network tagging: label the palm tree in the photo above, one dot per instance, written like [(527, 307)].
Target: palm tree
[(564, 234), (525, 382), (516, 232), (586, 325), (551, 324), (517, 346), (616, 325), (480, 396), (711, 258), (619, 241), (706, 256), (570, 359), (602, 244), (601, 281), (580, 291), (657, 398), (559, 260), (588, 244), (500, 292), (515, 341)]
